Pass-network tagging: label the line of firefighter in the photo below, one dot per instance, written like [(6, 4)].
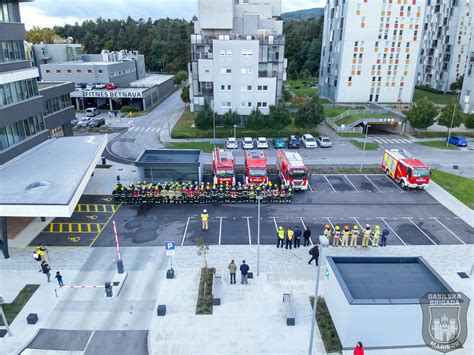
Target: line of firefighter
[(167, 193)]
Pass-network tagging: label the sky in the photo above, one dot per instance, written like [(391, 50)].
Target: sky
[(48, 13)]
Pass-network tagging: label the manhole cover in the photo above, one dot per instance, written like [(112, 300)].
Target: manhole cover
[(463, 275)]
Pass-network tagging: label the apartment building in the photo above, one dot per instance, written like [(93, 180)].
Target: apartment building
[(447, 32), (237, 52), (370, 50), (467, 93)]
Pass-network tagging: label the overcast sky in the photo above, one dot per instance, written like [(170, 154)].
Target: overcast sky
[(47, 13)]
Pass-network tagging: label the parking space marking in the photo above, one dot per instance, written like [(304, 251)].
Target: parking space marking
[(388, 225), (275, 222), (357, 221), (185, 231), (393, 182), (350, 182), (220, 228), (67, 228), (329, 220), (304, 226), (332, 187), (248, 228), (96, 208), (426, 235), (373, 183), (437, 220), (309, 186)]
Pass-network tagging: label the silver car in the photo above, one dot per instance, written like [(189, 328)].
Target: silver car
[(324, 142)]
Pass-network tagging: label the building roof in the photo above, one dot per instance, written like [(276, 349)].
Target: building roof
[(49, 179), (169, 156), (81, 63), (150, 81), (49, 84)]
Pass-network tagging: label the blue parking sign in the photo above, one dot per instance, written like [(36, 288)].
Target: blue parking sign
[(170, 248)]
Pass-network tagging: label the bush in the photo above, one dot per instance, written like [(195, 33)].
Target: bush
[(204, 301), (127, 109), (429, 89), (326, 326), (229, 119), (204, 119), (469, 120), (256, 119)]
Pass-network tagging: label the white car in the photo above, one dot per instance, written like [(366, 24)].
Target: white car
[(324, 142), (262, 143), (232, 143), (83, 122), (89, 87), (309, 141), (247, 143)]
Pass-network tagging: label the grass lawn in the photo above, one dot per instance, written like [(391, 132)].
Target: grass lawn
[(334, 111), (439, 145), (442, 134), (460, 187), (368, 145), (352, 135), (440, 99), (12, 309), (353, 118), (299, 89), (204, 146)]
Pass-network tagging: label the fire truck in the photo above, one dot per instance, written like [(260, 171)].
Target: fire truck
[(223, 166), (406, 170), (256, 171), (291, 170)]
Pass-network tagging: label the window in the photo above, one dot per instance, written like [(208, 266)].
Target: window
[(11, 51), (225, 70), (226, 104), (246, 88), (222, 52), (100, 71), (89, 71), (229, 87), (262, 104), (246, 104), (262, 87), (69, 71), (19, 131), (78, 71), (247, 53), (48, 71), (58, 71), (17, 91), (222, 87), (229, 52)]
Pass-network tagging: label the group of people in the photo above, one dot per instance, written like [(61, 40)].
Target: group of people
[(39, 254), (349, 237), (144, 193)]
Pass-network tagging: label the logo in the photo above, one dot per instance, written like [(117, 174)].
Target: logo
[(444, 320)]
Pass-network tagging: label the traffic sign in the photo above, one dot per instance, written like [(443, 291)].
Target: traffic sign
[(170, 248)]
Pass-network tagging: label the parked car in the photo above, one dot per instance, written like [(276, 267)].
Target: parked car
[(74, 122), (458, 141), (279, 143), (309, 141), (99, 86), (96, 122), (89, 87), (293, 142), (83, 122), (247, 143), (80, 87), (232, 143), (111, 86), (324, 142), (92, 112), (262, 143)]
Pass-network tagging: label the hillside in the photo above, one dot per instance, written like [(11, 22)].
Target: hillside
[(303, 14)]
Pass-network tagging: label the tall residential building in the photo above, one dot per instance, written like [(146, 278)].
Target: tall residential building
[(237, 52), (467, 93), (370, 50), (447, 31)]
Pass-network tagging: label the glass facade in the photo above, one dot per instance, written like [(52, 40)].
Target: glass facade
[(56, 104), (11, 51), (9, 11), (160, 173), (17, 91), (19, 131)]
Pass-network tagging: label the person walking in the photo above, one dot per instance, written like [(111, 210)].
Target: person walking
[(314, 252), (280, 237), (385, 233), (110, 115), (232, 270), (306, 236), (59, 277), (289, 237), (46, 270), (359, 349), (244, 273), (297, 237), (205, 220), (115, 113)]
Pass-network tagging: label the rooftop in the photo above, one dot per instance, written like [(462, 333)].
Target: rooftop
[(151, 81), (49, 84), (169, 156)]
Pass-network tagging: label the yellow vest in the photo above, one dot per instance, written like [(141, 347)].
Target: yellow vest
[(204, 217), (376, 233), (281, 233), (327, 233), (367, 232), (290, 234)]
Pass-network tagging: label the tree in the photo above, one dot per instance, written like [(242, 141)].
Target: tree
[(204, 118), (457, 85), (185, 94), (469, 120), (279, 116), (230, 118), (180, 76), (423, 114), (446, 116), (256, 119), (38, 34), (203, 249), (310, 114)]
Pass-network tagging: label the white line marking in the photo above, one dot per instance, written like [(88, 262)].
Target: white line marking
[(388, 225), (350, 182), (185, 231), (329, 183), (275, 222), (372, 183), (449, 230), (304, 226), (248, 228), (329, 220), (357, 221), (426, 235), (378, 140), (143, 129), (220, 229), (130, 122), (407, 141), (148, 129), (393, 182), (309, 186)]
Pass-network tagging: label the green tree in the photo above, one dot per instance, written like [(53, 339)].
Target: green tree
[(38, 34), (310, 113), (204, 118), (230, 118), (256, 119), (469, 120), (423, 114), (457, 85), (185, 94), (451, 113), (180, 77), (279, 116)]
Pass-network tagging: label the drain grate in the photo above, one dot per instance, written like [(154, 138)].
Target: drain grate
[(463, 275)]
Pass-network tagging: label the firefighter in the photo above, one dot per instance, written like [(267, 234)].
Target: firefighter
[(233, 194), (227, 193), (143, 195), (136, 196), (240, 193), (116, 194), (337, 236), (280, 236), (282, 198), (289, 195), (190, 191), (245, 194), (275, 194), (202, 194), (205, 220), (214, 194), (207, 193), (149, 195), (196, 193), (327, 231), (289, 237), (376, 236), (367, 235), (221, 194), (251, 194), (345, 236), (355, 234)]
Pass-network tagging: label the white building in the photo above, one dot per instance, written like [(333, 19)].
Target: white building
[(238, 59), (467, 93), (370, 50), (445, 44)]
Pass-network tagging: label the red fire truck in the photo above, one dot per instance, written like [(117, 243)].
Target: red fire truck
[(256, 171), (292, 170), (405, 169), (223, 166)]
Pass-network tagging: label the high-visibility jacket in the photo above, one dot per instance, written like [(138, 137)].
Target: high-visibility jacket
[(346, 233), (204, 216), (355, 233), (327, 233), (376, 233), (367, 232), (290, 234), (281, 233)]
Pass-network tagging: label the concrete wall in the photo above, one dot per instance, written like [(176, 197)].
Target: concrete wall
[(467, 93), (215, 14), (23, 146)]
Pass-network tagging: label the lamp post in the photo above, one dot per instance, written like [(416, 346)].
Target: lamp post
[(214, 127), (323, 241), (452, 119), (365, 142), (259, 198), (235, 131)]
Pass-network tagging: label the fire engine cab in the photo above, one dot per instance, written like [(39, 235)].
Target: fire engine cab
[(291, 170), (223, 166), (405, 169), (256, 171)]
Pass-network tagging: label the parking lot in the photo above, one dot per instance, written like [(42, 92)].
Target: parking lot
[(353, 183)]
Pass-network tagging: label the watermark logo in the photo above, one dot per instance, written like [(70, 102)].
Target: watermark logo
[(444, 320)]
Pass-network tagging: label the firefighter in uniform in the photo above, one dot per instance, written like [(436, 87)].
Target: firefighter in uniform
[(289, 237), (221, 194), (214, 194), (327, 232), (376, 236), (205, 220), (240, 193), (337, 236), (207, 193), (354, 236), (345, 236), (251, 194), (280, 236), (366, 237)]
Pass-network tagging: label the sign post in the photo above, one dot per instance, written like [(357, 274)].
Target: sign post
[(170, 250), (119, 256)]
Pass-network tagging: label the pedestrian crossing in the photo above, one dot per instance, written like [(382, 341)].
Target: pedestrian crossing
[(393, 141), (143, 129)]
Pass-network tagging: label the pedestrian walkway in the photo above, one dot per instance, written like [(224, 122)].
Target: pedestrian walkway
[(386, 140), (144, 129)]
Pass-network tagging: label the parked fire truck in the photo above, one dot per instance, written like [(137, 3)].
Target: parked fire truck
[(223, 166), (406, 170), (291, 170), (256, 171)]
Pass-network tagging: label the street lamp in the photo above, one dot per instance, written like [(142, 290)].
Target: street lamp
[(365, 142), (235, 131), (452, 119), (214, 127), (259, 198), (323, 241)]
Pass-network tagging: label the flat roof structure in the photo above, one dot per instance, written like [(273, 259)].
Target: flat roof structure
[(169, 156), (49, 179), (151, 81)]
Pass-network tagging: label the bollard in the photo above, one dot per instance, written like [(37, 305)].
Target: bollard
[(170, 273), (161, 311), (108, 289), (456, 167), (120, 266), (104, 161)]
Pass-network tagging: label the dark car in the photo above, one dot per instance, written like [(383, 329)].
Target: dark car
[(293, 142), (458, 141), (279, 143), (96, 122)]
